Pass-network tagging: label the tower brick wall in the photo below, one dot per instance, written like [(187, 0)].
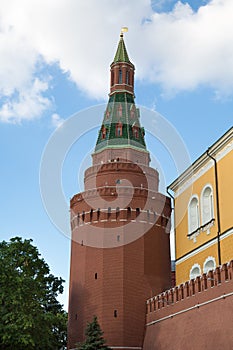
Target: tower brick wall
[(120, 251), (138, 265)]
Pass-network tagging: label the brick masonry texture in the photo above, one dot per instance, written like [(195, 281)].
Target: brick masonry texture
[(197, 314)]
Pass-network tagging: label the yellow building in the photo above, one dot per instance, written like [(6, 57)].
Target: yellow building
[(203, 207)]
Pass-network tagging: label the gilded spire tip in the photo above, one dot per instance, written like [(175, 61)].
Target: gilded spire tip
[(123, 30)]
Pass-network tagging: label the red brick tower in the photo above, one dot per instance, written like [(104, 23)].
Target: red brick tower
[(120, 252)]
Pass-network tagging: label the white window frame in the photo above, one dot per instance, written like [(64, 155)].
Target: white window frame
[(211, 204), (190, 230), (206, 269), (195, 266)]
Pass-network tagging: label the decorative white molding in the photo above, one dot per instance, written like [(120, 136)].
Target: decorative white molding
[(211, 204), (205, 246), (209, 259), (191, 273), (200, 229)]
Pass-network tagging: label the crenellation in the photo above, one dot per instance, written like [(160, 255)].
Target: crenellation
[(204, 281), (198, 288), (230, 269), (110, 214), (186, 289), (192, 287)]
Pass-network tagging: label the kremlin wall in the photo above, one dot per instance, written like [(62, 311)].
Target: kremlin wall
[(194, 315)]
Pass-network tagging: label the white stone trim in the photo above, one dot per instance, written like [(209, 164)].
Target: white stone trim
[(208, 185), (207, 245), (194, 196), (195, 266), (210, 258)]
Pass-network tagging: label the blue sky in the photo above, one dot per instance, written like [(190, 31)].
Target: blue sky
[(54, 62)]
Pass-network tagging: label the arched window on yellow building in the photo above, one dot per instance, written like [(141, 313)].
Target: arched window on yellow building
[(209, 264), (193, 214), (195, 271), (207, 205)]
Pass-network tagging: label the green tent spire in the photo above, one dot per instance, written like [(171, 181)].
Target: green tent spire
[(121, 123), (121, 53)]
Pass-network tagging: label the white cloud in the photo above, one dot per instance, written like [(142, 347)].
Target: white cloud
[(189, 49), (180, 50), (28, 104), (56, 120)]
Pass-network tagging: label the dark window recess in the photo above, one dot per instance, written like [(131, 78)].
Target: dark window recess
[(76, 316), (118, 238), (115, 313), (96, 275), (120, 77), (127, 77)]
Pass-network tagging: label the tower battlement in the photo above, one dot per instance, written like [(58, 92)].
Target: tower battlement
[(119, 215), (189, 289)]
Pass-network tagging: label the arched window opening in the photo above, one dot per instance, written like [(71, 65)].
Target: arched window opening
[(120, 77), (119, 129), (195, 271), (103, 132), (193, 214), (132, 111), (209, 264), (112, 78), (119, 110), (135, 132), (127, 77), (207, 205)]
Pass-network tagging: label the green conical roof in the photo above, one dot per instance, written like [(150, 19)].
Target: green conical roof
[(121, 126), (121, 54)]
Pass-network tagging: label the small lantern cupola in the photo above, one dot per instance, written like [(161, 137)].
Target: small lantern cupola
[(122, 70)]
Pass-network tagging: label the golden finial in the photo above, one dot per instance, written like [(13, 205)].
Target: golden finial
[(123, 30)]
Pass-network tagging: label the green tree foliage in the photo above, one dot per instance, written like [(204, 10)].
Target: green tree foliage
[(94, 337), (30, 315)]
